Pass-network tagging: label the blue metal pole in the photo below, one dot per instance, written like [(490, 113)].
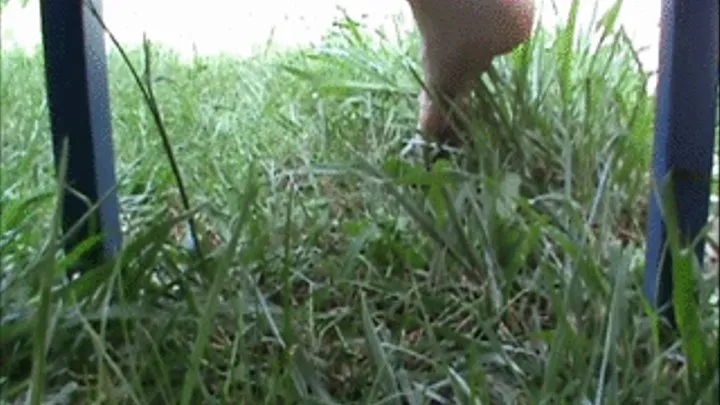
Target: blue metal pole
[(77, 94), (684, 133)]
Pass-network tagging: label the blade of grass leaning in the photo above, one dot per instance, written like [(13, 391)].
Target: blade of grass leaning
[(105, 358), (566, 56), (469, 250), (561, 336), (462, 389), (44, 272), (222, 271), (386, 375), (151, 103), (613, 330), (684, 297)]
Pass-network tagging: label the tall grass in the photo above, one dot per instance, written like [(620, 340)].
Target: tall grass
[(329, 276)]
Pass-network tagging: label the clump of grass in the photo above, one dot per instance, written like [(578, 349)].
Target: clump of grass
[(329, 276)]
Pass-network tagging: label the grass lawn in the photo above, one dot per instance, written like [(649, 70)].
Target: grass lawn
[(330, 269)]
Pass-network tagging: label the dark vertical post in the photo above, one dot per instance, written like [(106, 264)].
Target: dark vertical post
[(77, 91), (684, 133)]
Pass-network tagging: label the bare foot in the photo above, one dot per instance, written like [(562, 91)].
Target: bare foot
[(460, 40)]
